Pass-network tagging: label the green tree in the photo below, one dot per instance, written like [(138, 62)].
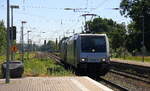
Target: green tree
[(139, 12), (2, 38), (134, 38)]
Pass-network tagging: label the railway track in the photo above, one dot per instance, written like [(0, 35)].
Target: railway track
[(131, 76), (56, 58), (134, 74), (112, 85), (138, 70)]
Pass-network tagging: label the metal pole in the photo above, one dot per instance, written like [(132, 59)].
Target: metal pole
[(28, 44), (11, 16), (11, 41), (56, 44), (22, 50), (8, 46), (143, 40), (22, 40)]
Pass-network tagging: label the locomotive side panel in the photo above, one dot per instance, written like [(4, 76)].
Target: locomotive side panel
[(63, 51), (73, 50), (70, 52)]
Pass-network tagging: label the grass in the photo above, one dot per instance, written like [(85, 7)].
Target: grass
[(135, 58), (40, 66), (18, 55), (2, 59), (44, 67)]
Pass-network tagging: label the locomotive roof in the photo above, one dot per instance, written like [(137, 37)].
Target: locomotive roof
[(75, 36), (93, 34)]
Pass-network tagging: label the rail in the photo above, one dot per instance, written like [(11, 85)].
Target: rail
[(127, 75), (114, 85)]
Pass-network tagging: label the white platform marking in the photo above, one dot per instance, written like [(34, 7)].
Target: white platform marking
[(79, 85), (104, 88)]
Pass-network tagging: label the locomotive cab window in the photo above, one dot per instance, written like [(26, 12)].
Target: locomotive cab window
[(93, 44)]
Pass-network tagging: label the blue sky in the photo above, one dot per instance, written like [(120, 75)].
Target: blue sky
[(50, 17)]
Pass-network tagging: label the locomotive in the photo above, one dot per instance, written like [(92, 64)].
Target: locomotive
[(87, 52)]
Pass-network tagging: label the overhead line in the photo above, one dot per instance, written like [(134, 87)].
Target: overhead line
[(100, 5)]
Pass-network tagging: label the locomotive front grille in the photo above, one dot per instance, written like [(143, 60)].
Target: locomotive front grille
[(93, 60)]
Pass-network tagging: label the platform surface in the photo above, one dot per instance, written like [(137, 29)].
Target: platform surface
[(52, 84)]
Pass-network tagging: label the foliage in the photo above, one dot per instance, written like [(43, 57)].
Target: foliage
[(2, 59), (2, 38), (120, 52), (139, 12)]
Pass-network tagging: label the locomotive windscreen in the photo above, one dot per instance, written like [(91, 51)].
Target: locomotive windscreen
[(93, 44)]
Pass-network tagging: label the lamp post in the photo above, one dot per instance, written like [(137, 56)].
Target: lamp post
[(41, 34), (13, 7), (8, 46), (28, 44), (11, 42), (22, 41), (40, 39)]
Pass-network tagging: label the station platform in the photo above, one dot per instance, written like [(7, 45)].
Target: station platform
[(53, 84), (144, 64)]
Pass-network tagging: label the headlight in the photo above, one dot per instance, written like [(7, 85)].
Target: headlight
[(103, 59), (83, 59)]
